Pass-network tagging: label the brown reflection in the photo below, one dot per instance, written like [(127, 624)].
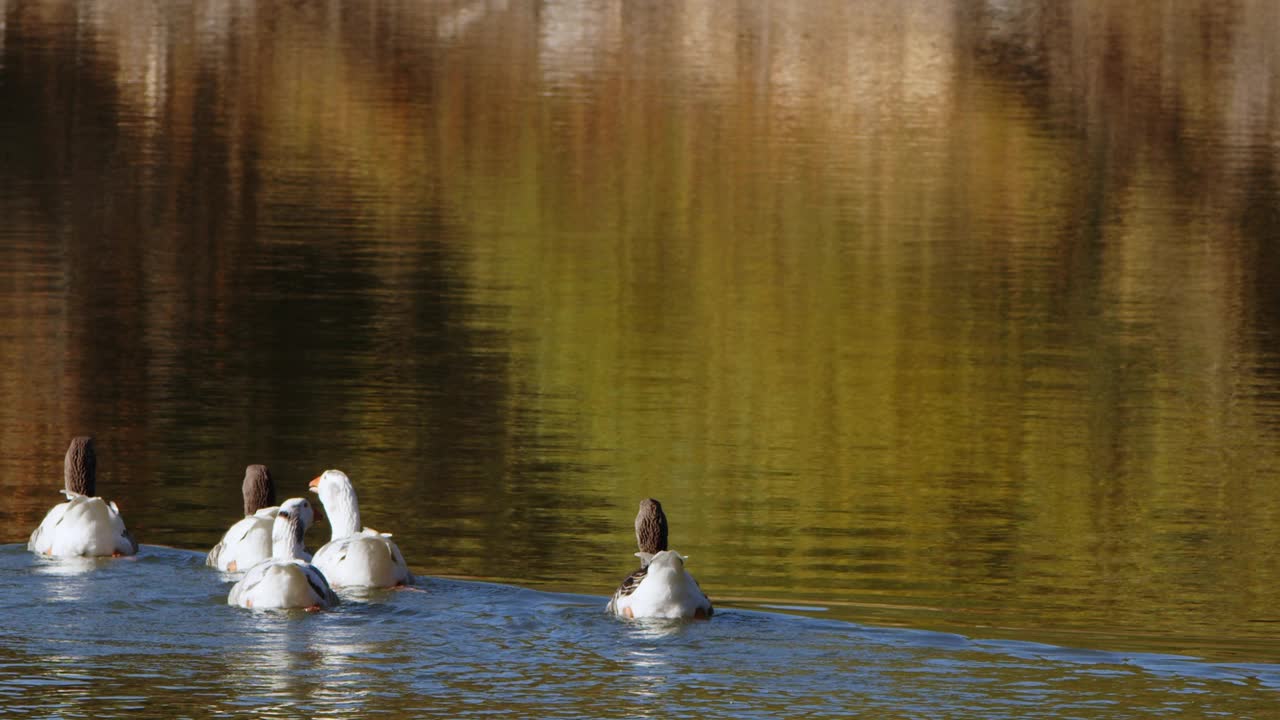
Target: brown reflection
[(940, 304)]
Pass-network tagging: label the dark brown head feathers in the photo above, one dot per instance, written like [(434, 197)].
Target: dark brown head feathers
[(258, 489), (79, 466), (651, 527)]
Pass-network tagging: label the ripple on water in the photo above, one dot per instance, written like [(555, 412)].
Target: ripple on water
[(458, 648)]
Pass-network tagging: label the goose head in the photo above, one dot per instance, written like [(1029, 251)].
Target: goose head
[(651, 527), (80, 466), (338, 496), (258, 489), (288, 529)]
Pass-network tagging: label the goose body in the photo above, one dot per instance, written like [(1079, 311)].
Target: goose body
[(285, 580), (248, 541), (370, 559), (245, 544), (283, 584), (661, 588), (84, 525), (356, 556)]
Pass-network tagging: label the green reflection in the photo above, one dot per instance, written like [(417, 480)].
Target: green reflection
[(926, 314)]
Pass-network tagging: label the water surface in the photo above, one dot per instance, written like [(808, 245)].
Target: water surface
[(153, 635), (939, 317)]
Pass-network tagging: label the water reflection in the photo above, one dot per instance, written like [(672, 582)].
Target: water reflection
[(649, 629), (950, 315), (69, 568), (648, 666)]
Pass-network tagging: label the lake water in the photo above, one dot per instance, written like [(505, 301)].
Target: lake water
[(948, 335), (154, 636)]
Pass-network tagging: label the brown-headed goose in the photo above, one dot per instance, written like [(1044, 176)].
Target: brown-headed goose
[(85, 525), (661, 587), (248, 542)]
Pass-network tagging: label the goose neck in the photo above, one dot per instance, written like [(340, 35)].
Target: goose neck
[(344, 513)]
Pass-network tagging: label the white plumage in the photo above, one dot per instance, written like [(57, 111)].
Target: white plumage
[(356, 556), (661, 588), (285, 580), (82, 527), (248, 541)]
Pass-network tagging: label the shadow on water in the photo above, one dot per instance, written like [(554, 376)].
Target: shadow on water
[(153, 635)]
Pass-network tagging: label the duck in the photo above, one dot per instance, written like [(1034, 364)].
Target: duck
[(248, 541), (285, 580), (355, 556), (85, 525), (661, 587)]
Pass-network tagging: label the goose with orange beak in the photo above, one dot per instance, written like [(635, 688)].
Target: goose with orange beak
[(355, 556)]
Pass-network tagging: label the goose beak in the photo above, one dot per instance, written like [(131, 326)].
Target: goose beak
[(314, 484)]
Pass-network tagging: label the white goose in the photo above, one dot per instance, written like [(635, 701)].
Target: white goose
[(85, 525), (356, 556), (248, 541), (285, 580), (661, 587)]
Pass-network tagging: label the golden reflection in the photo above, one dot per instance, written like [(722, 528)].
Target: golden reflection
[(926, 302), (454, 24)]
